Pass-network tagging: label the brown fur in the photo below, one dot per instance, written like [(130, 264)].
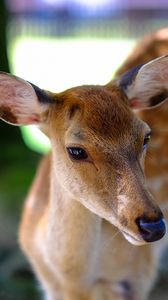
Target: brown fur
[(156, 165), (86, 267), (151, 47), (6, 114), (71, 214)]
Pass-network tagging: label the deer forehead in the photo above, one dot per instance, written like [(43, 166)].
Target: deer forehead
[(96, 115)]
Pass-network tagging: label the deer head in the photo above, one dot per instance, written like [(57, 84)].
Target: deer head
[(98, 143)]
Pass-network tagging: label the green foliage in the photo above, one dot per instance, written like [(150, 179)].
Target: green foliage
[(17, 168), (18, 165)]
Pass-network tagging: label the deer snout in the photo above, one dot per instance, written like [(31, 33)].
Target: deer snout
[(143, 221), (151, 230)]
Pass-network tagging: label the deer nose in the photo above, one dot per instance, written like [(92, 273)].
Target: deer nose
[(151, 231)]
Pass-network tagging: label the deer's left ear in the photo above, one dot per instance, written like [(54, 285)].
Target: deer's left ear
[(146, 85)]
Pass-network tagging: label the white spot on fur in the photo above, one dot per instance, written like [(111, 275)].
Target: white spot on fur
[(122, 199), (30, 201)]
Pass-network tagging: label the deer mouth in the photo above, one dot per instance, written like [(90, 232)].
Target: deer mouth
[(132, 239), (149, 231)]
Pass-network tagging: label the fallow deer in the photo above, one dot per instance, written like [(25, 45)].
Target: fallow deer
[(92, 182)]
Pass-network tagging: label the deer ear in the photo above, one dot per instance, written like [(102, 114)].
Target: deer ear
[(22, 103), (146, 85)]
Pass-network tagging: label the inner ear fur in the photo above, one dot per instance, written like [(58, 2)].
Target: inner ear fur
[(22, 103), (146, 85)]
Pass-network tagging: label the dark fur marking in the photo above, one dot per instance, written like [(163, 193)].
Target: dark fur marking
[(124, 221), (79, 135), (125, 285), (158, 98), (129, 77), (7, 115), (73, 109), (42, 95), (126, 288)]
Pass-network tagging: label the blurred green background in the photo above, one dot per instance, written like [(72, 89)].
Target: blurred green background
[(57, 44)]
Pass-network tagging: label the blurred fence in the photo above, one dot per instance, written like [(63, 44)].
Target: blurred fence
[(130, 24)]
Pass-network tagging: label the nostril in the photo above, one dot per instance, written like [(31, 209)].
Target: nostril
[(151, 230)]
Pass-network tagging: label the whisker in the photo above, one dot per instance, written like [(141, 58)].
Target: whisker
[(107, 242)]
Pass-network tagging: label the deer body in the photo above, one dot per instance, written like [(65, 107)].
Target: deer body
[(91, 264), (92, 181)]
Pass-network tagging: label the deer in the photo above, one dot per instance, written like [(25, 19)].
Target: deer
[(150, 47), (91, 187)]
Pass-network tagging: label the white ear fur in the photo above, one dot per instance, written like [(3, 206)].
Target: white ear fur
[(149, 85), (19, 103)]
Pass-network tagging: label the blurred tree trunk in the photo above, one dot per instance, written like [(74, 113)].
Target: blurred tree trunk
[(4, 64)]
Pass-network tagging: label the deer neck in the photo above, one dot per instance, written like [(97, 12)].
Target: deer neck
[(72, 230)]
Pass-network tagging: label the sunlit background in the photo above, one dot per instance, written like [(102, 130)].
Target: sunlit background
[(57, 44), (63, 62)]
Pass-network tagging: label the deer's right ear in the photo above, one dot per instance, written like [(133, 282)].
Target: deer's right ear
[(22, 103)]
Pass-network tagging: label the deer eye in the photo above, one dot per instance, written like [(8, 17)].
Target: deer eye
[(77, 153), (146, 140)]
